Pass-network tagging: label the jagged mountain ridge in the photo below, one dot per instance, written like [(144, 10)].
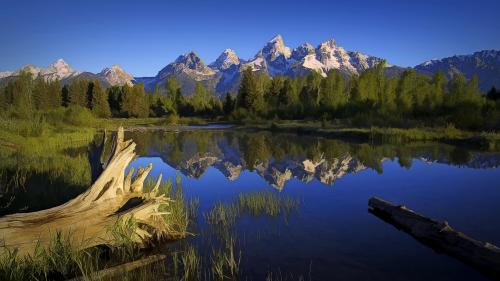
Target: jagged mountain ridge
[(275, 58), (62, 71), (485, 64)]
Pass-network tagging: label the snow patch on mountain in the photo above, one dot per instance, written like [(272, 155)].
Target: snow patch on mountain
[(227, 59), (116, 76)]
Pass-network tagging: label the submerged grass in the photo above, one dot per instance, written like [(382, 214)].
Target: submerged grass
[(263, 203)]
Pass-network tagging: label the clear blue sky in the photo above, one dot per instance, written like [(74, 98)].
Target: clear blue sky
[(144, 36)]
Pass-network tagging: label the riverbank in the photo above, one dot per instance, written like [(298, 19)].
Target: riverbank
[(489, 141)]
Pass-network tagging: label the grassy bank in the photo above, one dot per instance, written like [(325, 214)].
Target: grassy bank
[(449, 134), (65, 257)]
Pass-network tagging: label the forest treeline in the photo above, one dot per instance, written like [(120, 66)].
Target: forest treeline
[(372, 98)]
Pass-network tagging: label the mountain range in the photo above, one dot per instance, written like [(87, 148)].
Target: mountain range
[(275, 59)]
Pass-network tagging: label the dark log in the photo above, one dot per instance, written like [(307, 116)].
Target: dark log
[(440, 236)]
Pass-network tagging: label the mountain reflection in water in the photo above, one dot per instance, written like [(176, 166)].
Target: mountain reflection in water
[(332, 236), (277, 158)]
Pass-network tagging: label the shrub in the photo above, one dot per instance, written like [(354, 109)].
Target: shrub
[(78, 116)]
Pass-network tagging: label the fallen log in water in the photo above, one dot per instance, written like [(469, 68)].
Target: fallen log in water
[(440, 236), (124, 268), (89, 216)]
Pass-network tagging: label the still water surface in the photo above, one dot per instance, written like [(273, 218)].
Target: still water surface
[(333, 236)]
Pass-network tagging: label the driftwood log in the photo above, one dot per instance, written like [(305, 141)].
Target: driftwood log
[(124, 268), (440, 236), (89, 216)]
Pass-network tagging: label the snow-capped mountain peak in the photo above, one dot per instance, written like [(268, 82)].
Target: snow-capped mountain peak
[(303, 50), (227, 59), (191, 60), (57, 70), (329, 44), (116, 76), (275, 48)]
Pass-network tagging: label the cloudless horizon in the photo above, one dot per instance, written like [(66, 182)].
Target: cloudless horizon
[(144, 36)]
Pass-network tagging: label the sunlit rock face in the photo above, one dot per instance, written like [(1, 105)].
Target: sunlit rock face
[(116, 76), (188, 69), (275, 58), (58, 70)]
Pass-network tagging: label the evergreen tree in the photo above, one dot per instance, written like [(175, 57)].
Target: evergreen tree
[(99, 100), (229, 104), (493, 94), (134, 101), (65, 100), (18, 93), (78, 92), (288, 101), (115, 100), (249, 96)]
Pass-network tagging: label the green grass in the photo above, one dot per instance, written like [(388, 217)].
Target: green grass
[(61, 258), (222, 214), (191, 264), (180, 210), (225, 262), (263, 203)]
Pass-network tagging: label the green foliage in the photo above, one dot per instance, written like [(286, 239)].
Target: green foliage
[(368, 99), (61, 259), (250, 95), (78, 116), (229, 104), (199, 99), (332, 92), (78, 92), (254, 204), (46, 95), (98, 100), (134, 101)]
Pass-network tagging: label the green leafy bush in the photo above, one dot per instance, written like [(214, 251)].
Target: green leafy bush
[(78, 116)]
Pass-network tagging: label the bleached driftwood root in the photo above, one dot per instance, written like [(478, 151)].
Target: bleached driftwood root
[(89, 216), (440, 236)]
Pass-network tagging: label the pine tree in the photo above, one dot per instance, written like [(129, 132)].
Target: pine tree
[(99, 100), (115, 100), (493, 94), (19, 94), (78, 92), (249, 96), (229, 104), (134, 101)]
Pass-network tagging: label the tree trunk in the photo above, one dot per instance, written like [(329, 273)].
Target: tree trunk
[(440, 236), (89, 216)]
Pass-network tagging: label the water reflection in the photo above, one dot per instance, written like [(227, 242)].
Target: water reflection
[(278, 158)]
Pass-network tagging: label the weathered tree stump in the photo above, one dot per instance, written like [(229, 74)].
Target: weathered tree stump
[(89, 216), (440, 236)]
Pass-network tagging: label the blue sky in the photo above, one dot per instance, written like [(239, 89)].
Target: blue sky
[(144, 36)]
